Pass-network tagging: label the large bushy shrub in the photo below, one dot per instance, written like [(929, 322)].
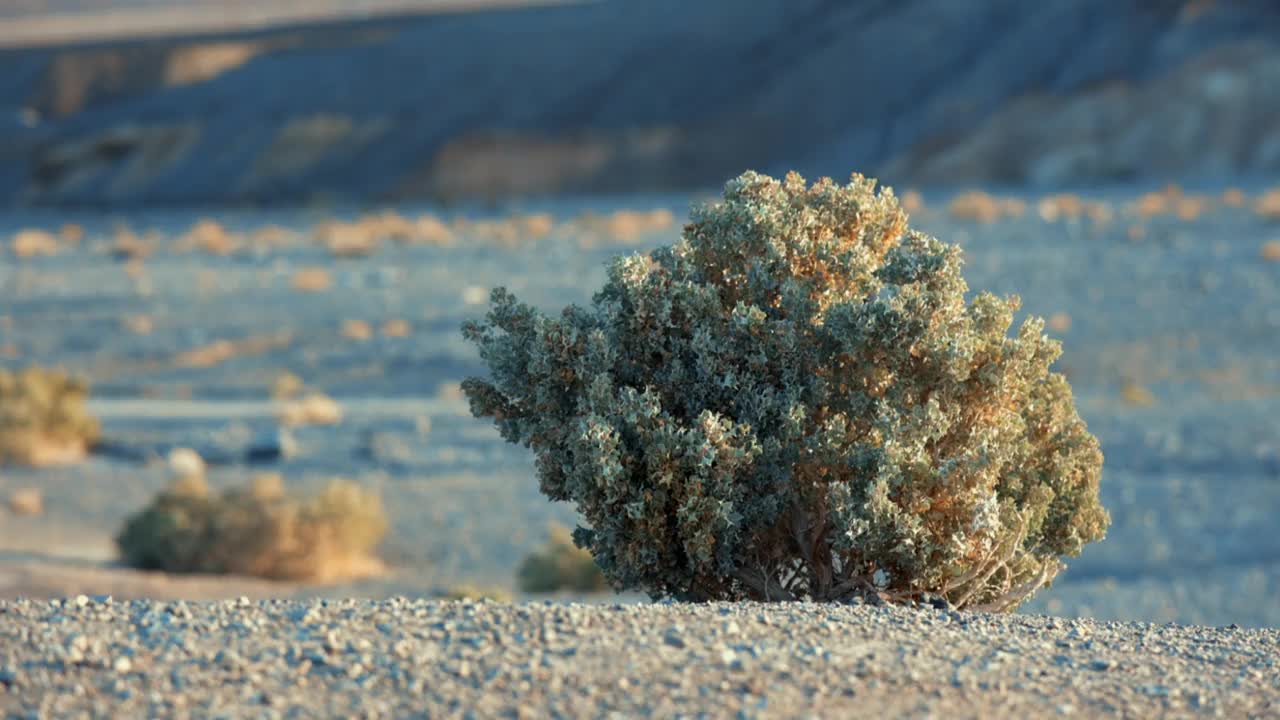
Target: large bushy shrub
[(257, 530), (796, 400), (43, 420)]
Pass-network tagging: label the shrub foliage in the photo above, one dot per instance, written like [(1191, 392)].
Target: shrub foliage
[(43, 418), (257, 530), (560, 565), (795, 400)]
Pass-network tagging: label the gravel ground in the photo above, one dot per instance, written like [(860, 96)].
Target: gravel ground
[(98, 658)]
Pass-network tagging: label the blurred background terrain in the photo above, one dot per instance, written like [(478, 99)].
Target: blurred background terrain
[(199, 199), (616, 96)]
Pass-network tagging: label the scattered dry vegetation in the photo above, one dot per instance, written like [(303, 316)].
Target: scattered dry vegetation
[(43, 420), (208, 236), (621, 226), (287, 386), (26, 501), (396, 328), (560, 565), (912, 201), (1271, 251), (475, 592), (272, 236), (313, 279), (71, 233), (258, 530), (979, 206), (1268, 204), (1068, 206), (347, 240), (356, 330), (139, 324), (32, 243), (128, 246), (1134, 394), (220, 351), (363, 236), (312, 409)]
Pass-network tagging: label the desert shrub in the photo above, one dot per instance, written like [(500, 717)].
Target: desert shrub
[(26, 501), (476, 592), (31, 242), (795, 400), (43, 419), (257, 530), (560, 565)]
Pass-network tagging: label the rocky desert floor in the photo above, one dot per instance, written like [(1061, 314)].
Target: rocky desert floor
[(1168, 305), (406, 658)]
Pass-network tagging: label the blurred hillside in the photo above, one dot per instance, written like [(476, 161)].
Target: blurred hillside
[(624, 96)]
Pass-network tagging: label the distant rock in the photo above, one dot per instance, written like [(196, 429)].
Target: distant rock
[(185, 462), (660, 95)]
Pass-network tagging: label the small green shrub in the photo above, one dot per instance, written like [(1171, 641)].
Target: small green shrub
[(795, 400), (560, 565), (43, 420), (259, 530)]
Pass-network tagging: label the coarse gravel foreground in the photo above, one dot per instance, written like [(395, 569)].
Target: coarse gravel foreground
[(85, 657)]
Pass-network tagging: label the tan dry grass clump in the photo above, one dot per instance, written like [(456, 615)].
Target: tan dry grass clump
[(477, 592), (356, 330), (1268, 204), (286, 386), (272, 236), (912, 201), (313, 279), (71, 233), (364, 235), (347, 240), (220, 351), (431, 230), (31, 242), (396, 328), (983, 207), (126, 245), (621, 226), (209, 236), (1271, 251), (500, 231), (1189, 208), (139, 324), (258, 530), (43, 420), (26, 501), (1070, 207), (1062, 206), (1134, 394), (560, 565), (312, 409), (388, 225), (1234, 197)]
